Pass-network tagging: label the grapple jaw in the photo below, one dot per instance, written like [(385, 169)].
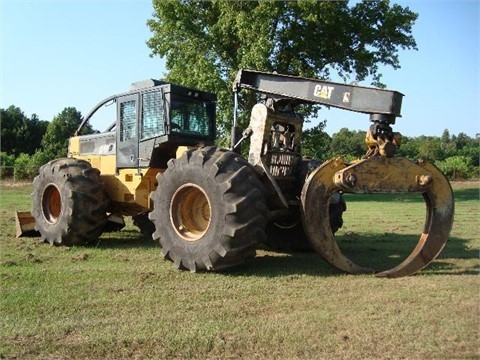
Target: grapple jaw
[(378, 174)]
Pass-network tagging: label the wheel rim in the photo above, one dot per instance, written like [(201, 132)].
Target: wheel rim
[(51, 203), (190, 212)]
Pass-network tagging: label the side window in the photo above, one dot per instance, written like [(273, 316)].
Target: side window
[(152, 115), (128, 120), (199, 120), (190, 117)]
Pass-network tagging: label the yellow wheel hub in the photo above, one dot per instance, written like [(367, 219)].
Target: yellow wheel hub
[(190, 212)]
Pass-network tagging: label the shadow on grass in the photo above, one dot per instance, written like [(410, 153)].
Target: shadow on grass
[(374, 251), (467, 194), (389, 250), (377, 251), (125, 239), (391, 197)]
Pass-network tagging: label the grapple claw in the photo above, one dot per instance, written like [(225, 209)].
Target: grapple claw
[(315, 196), (378, 175), (438, 223)]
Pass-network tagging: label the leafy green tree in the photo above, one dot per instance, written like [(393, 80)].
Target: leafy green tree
[(22, 166), (445, 138), (456, 167), (349, 143), (37, 160), (461, 140), (59, 130), (6, 160), (316, 143), (409, 147), (450, 151), (19, 134), (471, 150), (35, 132), (27, 166), (430, 148), (447, 144), (206, 42), (11, 119), (467, 146)]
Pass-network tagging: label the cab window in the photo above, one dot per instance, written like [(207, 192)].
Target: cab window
[(190, 116)]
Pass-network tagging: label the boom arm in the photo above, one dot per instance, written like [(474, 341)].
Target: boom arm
[(383, 105)]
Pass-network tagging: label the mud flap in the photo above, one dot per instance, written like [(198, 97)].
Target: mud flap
[(25, 224), (378, 175)]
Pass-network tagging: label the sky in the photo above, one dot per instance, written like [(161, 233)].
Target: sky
[(57, 54)]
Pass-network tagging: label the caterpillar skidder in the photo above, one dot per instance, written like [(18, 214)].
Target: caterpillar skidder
[(209, 208)]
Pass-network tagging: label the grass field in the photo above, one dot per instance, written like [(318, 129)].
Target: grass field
[(118, 299)]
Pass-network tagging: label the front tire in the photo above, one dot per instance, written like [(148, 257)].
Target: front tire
[(69, 202), (209, 210)]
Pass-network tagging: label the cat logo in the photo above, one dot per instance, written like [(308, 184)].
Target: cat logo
[(323, 91), (346, 97)]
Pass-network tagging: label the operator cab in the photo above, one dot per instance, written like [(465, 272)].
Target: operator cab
[(152, 120)]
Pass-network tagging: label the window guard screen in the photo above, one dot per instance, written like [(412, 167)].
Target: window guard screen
[(152, 115), (128, 120)]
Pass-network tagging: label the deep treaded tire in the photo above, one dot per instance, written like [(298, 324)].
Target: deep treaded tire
[(209, 210), (69, 202)]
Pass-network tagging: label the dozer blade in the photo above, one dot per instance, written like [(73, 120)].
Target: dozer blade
[(25, 224), (378, 175)]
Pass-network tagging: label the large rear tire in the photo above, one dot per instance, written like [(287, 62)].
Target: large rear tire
[(209, 210), (69, 202)]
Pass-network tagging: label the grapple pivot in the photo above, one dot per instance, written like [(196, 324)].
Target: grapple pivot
[(378, 174)]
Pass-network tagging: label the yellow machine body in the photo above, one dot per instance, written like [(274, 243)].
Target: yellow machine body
[(128, 189)]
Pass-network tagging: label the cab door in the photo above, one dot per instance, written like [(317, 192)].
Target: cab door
[(127, 131)]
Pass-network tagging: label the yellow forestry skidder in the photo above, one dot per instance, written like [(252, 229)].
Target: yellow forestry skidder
[(209, 208)]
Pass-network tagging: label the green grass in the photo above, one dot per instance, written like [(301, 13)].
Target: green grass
[(119, 299)]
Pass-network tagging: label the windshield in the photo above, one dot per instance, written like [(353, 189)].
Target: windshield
[(190, 116)]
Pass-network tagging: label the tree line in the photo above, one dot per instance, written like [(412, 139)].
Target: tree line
[(28, 143), (457, 156)]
